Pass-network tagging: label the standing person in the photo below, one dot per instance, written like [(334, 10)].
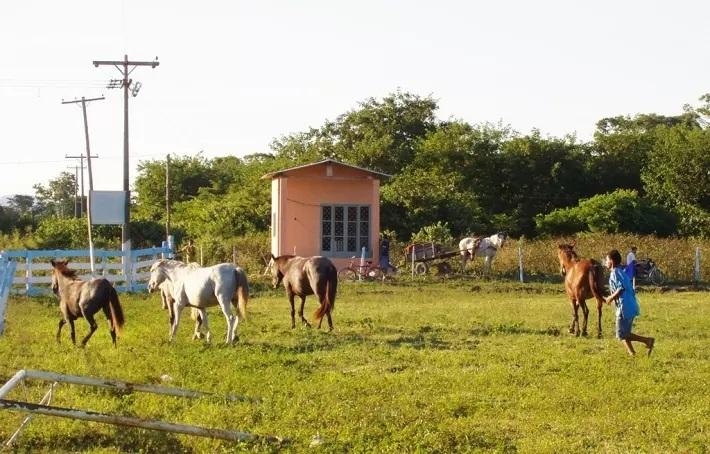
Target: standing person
[(385, 254), (631, 265), (188, 251), (627, 307)]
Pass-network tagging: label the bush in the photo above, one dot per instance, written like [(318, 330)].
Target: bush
[(435, 233), (621, 211)]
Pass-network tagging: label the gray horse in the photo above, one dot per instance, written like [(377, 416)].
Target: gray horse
[(305, 276)]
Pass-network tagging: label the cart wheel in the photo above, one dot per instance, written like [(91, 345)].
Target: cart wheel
[(376, 274), (421, 268), (656, 277), (347, 274)]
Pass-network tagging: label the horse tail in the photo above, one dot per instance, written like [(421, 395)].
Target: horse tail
[(242, 292), (328, 303), (596, 283), (117, 318)]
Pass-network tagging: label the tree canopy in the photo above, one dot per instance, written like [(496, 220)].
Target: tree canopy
[(646, 173)]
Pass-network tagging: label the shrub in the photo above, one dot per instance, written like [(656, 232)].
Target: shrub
[(616, 212)]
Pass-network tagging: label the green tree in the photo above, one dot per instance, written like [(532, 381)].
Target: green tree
[(187, 175), (678, 176), (379, 135), (419, 197), (537, 175), (57, 197)]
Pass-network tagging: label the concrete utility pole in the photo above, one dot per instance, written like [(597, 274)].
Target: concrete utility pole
[(76, 189), (167, 198), (83, 102), (80, 179), (126, 83)]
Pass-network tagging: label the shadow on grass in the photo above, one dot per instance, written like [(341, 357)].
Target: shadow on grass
[(123, 439)]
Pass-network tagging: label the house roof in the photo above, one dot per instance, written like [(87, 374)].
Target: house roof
[(277, 173)]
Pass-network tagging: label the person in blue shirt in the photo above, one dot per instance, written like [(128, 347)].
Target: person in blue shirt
[(627, 308), (385, 254)]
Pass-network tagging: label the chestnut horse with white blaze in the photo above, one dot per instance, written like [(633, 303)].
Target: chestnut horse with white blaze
[(584, 279), (305, 276)]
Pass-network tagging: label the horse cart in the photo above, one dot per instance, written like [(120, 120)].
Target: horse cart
[(423, 256)]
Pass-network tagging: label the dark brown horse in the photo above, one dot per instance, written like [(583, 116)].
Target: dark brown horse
[(584, 279), (79, 298), (303, 276)]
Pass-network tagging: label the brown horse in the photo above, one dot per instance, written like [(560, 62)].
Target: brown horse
[(305, 276), (79, 298), (584, 279)]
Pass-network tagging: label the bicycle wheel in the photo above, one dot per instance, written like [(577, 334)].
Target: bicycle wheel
[(375, 274), (347, 274), (656, 276)]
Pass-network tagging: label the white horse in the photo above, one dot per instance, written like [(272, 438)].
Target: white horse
[(167, 300), (204, 287), (481, 247)]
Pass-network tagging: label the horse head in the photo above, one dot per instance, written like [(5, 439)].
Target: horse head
[(501, 237), (276, 274), (566, 254), (59, 267), (158, 274)]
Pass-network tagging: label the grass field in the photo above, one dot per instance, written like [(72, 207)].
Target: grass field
[(410, 367)]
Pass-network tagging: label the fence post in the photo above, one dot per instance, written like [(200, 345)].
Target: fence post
[(520, 263), (28, 274), (234, 255), (362, 264), (202, 261), (171, 246), (697, 265), (7, 276), (127, 265), (412, 262)]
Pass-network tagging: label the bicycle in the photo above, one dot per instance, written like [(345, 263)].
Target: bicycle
[(367, 272)]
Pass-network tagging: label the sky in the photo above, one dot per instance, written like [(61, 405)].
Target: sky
[(235, 75)]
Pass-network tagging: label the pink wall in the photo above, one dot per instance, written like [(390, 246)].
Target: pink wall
[(297, 197)]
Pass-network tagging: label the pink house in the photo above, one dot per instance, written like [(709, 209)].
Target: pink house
[(326, 208)]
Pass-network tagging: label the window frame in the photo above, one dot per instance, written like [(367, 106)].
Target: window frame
[(346, 219)]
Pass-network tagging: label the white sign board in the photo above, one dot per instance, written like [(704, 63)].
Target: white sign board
[(108, 207)]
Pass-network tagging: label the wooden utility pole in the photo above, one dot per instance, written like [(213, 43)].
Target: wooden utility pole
[(91, 180), (167, 198), (126, 83)]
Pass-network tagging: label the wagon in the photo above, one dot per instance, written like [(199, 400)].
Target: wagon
[(423, 255)]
